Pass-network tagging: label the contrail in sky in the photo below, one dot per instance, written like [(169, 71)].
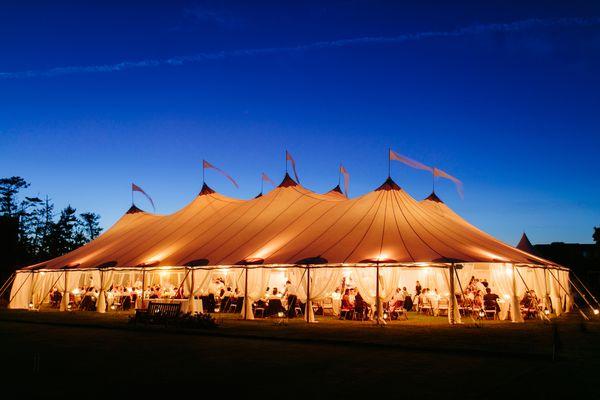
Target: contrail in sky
[(517, 26)]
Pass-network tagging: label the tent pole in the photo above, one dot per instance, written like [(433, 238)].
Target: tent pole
[(308, 302), (377, 299), (143, 288), (31, 294), (246, 294), (65, 298), (101, 293), (452, 299)]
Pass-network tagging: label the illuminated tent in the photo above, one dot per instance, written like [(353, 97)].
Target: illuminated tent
[(385, 239)]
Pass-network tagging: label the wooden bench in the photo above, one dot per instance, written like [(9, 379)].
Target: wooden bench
[(158, 313)]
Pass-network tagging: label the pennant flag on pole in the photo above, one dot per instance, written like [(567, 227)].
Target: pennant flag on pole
[(288, 157), (207, 165), (266, 178), (346, 174), (411, 163), (136, 188), (458, 183)]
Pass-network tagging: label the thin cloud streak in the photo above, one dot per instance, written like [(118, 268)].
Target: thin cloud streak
[(517, 26)]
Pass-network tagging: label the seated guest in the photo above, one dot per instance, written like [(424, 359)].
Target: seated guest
[(408, 301), (526, 300), (396, 298), (490, 300), (274, 307), (478, 299), (361, 307)]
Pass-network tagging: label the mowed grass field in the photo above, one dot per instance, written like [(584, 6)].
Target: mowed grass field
[(88, 355)]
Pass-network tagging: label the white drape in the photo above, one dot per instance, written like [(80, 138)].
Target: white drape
[(453, 311), (106, 280), (555, 292), (323, 282), (19, 292), (504, 278), (464, 276), (258, 278), (568, 299)]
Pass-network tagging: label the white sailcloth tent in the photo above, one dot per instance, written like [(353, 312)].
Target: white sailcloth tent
[(384, 239)]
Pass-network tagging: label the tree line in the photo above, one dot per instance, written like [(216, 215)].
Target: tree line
[(32, 231)]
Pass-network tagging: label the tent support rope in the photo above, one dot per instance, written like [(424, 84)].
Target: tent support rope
[(20, 287), (586, 289), (566, 291), (7, 284)]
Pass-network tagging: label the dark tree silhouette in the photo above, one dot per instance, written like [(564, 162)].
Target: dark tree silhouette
[(596, 235), (29, 232), (90, 222), (9, 187)]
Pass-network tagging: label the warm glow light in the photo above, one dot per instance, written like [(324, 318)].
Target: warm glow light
[(164, 273), (546, 311), (42, 273), (506, 296), (280, 314), (76, 291), (596, 312)]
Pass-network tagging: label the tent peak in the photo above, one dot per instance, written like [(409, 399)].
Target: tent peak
[(287, 181), (205, 190), (337, 188), (434, 197), (134, 210), (258, 195), (525, 245), (389, 184)]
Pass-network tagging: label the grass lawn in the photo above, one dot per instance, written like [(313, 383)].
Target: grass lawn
[(92, 355)]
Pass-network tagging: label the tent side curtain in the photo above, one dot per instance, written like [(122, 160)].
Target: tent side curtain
[(550, 285), (20, 291)]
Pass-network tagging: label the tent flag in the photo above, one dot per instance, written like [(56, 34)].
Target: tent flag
[(458, 183), (346, 174), (266, 178), (136, 188), (411, 163), (206, 164), (288, 157)]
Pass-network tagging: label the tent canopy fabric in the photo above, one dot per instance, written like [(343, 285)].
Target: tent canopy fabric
[(290, 225)]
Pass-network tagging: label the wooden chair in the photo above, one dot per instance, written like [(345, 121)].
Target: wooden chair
[(327, 306)]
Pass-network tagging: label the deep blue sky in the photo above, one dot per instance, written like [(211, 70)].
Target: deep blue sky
[(514, 112)]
